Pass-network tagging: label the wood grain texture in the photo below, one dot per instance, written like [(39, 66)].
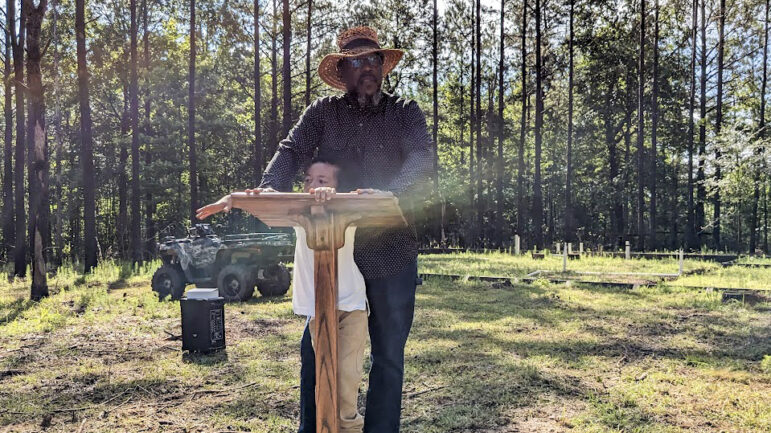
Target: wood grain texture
[(325, 224), (280, 209), (325, 279)]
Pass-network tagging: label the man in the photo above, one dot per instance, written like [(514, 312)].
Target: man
[(384, 140)]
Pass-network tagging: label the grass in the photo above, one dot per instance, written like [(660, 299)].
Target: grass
[(697, 273), (731, 277), (503, 264), (96, 356)]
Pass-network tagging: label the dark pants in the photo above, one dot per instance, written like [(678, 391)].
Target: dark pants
[(392, 304)]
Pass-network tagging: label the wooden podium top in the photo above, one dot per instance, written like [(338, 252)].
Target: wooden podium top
[(280, 209)]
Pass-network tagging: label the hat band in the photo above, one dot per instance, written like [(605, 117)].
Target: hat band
[(359, 43)]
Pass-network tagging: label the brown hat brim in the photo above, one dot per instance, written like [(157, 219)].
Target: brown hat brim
[(329, 73)]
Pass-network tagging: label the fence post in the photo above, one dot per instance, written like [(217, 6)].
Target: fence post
[(628, 251), (516, 245), (681, 262), (581, 248), (565, 257), (557, 247), (570, 248)]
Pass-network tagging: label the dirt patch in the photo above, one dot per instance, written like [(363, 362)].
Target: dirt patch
[(240, 326), (550, 414)]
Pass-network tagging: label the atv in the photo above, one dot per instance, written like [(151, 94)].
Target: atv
[(235, 264)]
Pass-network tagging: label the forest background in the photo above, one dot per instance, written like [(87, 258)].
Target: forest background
[(595, 121)]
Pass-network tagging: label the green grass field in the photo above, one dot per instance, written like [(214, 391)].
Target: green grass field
[(97, 356), (697, 273)]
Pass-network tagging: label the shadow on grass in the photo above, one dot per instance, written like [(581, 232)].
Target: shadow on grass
[(87, 392), (14, 309)]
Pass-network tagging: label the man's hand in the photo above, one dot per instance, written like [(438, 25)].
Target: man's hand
[(256, 191), (323, 193), (370, 191), (222, 205)]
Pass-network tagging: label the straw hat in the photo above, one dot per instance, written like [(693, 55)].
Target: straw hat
[(355, 42)]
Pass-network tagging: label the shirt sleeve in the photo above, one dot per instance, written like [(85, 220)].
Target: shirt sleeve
[(296, 149), (418, 151)]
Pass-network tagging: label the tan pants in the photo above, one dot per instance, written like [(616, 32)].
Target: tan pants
[(351, 339)]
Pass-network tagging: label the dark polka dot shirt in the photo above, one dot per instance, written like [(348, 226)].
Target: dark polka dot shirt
[(385, 147)]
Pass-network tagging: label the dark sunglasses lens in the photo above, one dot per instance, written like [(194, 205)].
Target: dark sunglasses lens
[(358, 62)]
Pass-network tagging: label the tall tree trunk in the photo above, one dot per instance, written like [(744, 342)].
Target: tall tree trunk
[(435, 100), (75, 199), (654, 127), (20, 249), (754, 228), (627, 219), (614, 170), (39, 151), (521, 202), (537, 191), (674, 242), (150, 232), (718, 126), (641, 133), (478, 125), (123, 178), (435, 125), (308, 56), (86, 144), (59, 190), (569, 223), (765, 214), (690, 233), (9, 235), (500, 130), (701, 192), (191, 119), (136, 224), (274, 82), (472, 128), (286, 72), (258, 153)]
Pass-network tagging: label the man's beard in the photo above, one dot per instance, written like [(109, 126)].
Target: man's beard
[(366, 101)]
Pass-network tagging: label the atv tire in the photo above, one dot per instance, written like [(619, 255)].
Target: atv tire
[(275, 280), (235, 283), (168, 281)]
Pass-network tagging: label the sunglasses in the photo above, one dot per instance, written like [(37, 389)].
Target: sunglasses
[(373, 60)]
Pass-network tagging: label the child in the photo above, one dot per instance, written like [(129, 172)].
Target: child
[(322, 179)]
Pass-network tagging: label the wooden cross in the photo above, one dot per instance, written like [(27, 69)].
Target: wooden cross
[(325, 223)]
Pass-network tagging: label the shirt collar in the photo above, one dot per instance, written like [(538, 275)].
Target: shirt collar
[(352, 102)]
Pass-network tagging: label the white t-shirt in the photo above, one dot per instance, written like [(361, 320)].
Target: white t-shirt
[(351, 292)]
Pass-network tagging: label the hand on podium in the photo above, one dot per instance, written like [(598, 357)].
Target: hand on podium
[(371, 191), (224, 204), (323, 193)]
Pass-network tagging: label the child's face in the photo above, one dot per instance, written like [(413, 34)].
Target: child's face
[(320, 174)]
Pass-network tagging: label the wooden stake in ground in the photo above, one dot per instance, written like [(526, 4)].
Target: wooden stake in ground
[(325, 224)]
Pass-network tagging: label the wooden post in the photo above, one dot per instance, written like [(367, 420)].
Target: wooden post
[(628, 251), (570, 248), (324, 241), (325, 225), (581, 248), (565, 257), (680, 262), (557, 248), (516, 245)]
